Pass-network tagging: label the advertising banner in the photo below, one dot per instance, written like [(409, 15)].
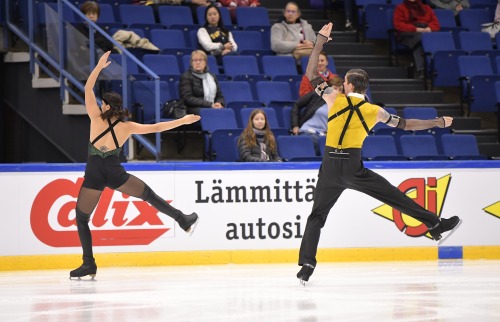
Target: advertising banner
[(241, 208)]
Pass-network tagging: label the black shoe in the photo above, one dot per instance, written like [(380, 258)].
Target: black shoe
[(188, 222), (88, 268), (305, 272), (443, 226)]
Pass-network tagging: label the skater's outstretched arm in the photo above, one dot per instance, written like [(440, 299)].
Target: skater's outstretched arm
[(91, 106), (137, 128), (412, 124), (312, 65)]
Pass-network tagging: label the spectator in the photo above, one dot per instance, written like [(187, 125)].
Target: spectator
[(292, 35), (257, 142), (310, 114), (455, 5), (411, 19), (198, 88), (323, 72), (92, 11), (126, 38), (233, 4), (216, 39)]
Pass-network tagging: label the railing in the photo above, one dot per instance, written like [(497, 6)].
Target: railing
[(55, 56)]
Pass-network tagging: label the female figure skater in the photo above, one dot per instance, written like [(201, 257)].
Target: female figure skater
[(109, 129)]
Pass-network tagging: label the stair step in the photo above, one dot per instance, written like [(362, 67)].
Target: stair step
[(332, 48), (378, 72), (415, 98), (489, 149), (396, 84), (466, 123), (361, 60)]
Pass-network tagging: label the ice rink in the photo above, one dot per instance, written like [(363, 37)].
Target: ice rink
[(381, 291)]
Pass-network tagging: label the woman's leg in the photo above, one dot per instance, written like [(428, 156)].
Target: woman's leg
[(85, 205), (137, 188)]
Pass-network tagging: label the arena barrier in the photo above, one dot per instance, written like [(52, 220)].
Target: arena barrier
[(249, 213)]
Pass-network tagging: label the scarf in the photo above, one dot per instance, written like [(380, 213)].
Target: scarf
[(209, 86), (416, 9), (259, 134)]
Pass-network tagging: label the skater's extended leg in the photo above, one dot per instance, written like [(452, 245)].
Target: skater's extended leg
[(379, 188), (137, 188)]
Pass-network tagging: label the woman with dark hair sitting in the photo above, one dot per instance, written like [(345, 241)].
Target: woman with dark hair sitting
[(214, 37)]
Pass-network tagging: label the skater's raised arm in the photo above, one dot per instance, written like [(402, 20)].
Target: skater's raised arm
[(312, 65), (412, 124), (91, 106)]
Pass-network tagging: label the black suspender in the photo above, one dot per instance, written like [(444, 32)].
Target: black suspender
[(351, 108), (110, 128)]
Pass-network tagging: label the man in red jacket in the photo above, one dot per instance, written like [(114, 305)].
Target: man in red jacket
[(411, 19)]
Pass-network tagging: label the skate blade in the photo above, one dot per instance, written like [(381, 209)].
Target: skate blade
[(450, 233), (84, 278), (193, 227), (302, 282)]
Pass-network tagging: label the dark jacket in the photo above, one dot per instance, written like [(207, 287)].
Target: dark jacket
[(100, 41), (305, 107), (191, 91)]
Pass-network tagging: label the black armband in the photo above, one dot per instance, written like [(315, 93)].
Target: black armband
[(401, 123)]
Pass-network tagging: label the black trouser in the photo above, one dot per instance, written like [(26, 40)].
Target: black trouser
[(336, 175)]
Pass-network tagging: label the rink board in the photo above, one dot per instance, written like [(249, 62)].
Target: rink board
[(249, 213)]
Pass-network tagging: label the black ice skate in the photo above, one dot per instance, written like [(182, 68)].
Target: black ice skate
[(88, 268), (188, 222), (450, 224), (305, 272)]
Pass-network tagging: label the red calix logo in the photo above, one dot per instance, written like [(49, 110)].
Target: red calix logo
[(126, 232), (430, 195)]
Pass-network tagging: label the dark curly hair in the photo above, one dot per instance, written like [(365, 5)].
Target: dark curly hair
[(114, 100)]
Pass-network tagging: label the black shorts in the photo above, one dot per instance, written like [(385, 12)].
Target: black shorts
[(104, 172)]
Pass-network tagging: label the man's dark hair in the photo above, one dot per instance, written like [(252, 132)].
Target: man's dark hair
[(359, 79)]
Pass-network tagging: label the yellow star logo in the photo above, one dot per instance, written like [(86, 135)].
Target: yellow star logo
[(493, 209), (430, 195)]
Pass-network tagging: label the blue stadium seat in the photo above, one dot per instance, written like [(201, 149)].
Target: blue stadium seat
[(296, 148), (441, 58), (472, 19), (420, 113), (132, 14), (171, 16), (252, 17), (461, 147), (420, 147), (224, 143), (144, 95), (478, 82), (380, 148), (279, 65), (251, 43), (162, 64), (215, 119), (395, 132), (240, 65), (375, 25)]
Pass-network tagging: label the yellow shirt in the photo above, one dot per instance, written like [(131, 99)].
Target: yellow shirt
[(355, 133)]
